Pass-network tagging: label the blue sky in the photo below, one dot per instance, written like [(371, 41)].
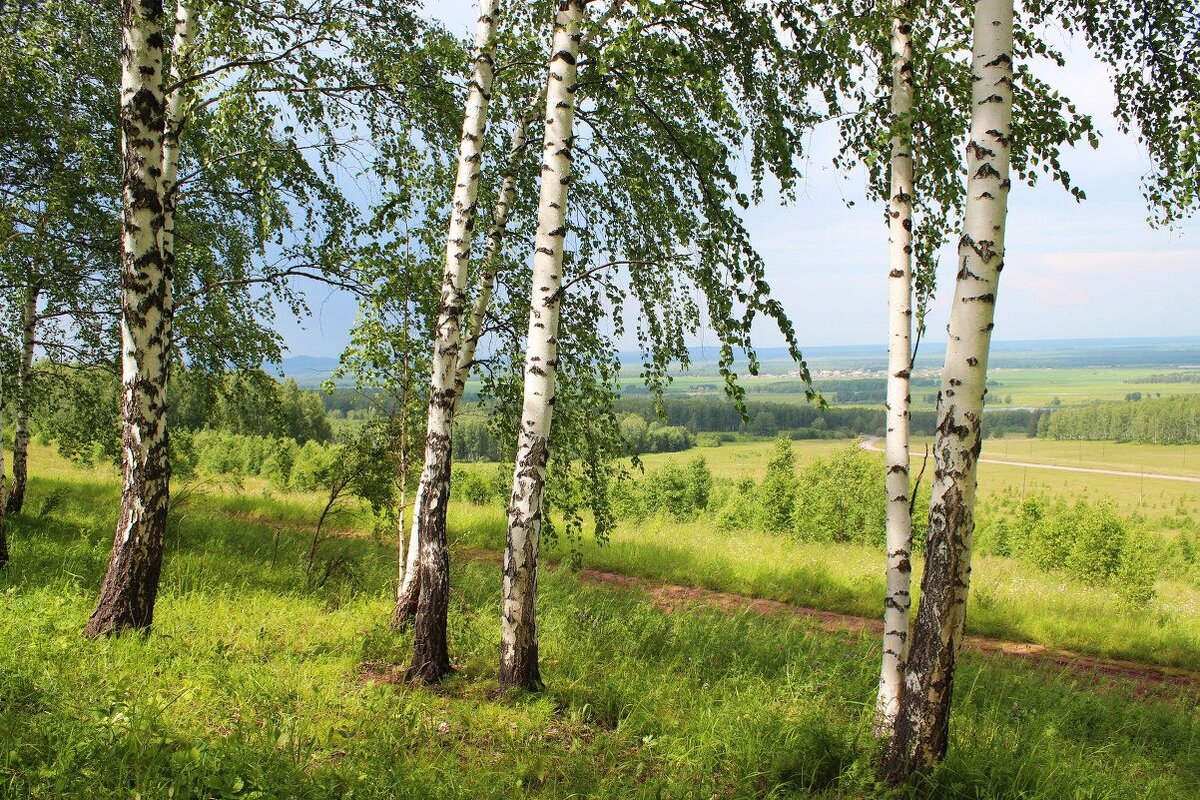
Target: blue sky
[(1089, 270)]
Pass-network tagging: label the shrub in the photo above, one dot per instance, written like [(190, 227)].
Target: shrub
[(700, 482), (668, 489), (1100, 539), (312, 466), (1135, 575), (625, 498), (995, 538), (277, 467), (737, 512), (777, 492), (841, 499), (473, 486)]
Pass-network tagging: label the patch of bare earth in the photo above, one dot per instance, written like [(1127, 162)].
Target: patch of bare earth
[(1137, 679)]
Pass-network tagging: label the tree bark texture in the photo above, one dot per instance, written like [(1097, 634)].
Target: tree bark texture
[(495, 240), (431, 660), (3, 490), (922, 729), (409, 593), (518, 626), (406, 602), (899, 516), (131, 583), (20, 476), (175, 118)]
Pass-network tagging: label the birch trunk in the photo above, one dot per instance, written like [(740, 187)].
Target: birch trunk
[(409, 593), (406, 602), (518, 625), (899, 516), (174, 121), (431, 659), (491, 257), (3, 490), (922, 729), (131, 582), (16, 494)]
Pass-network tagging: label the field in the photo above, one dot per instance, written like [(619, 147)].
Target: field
[(254, 686), (1011, 387), (1147, 496)]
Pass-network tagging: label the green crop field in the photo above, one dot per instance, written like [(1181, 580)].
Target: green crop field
[(252, 685), (1012, 387)]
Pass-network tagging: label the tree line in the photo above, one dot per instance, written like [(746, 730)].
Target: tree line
[(1161, 420), (598, 147)]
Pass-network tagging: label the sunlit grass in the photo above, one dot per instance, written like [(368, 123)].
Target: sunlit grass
[(252, 685), (1010, 599)]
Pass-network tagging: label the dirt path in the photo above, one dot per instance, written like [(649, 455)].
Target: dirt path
[(1140, 680), (872, 443)]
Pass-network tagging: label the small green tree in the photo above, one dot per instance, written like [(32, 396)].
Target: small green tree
[(1100, 540), (839, 499), (777, 492), (700, 482), (1135, 575)]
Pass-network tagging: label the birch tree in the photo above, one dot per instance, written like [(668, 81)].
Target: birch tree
[(431, 660), (131, 582), (472, 330), (921, 731), (3, 495), (236, 70), (57, 187), (518, 628), (899, 517), (29, 312)]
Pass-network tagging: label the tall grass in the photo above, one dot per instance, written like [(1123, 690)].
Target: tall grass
[(1010, 599), (253, 686)]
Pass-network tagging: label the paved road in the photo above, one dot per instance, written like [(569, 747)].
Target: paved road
[(873, 443)]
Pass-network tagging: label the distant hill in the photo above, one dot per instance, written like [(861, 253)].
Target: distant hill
[(308, 371), (1174, 352)]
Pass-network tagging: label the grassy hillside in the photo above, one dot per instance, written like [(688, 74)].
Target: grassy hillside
[(252, 686)]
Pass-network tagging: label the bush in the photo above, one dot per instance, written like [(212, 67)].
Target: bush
[(700, 482), (313, 466), (669, 489), (1100, 539), (841, 499), (473, 486), (625, 498), (1135, 576), (277, 467), (737, 512), (777, 492)]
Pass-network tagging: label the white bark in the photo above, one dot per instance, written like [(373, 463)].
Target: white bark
[(430, 661), (518, 629), (495, 240), (922, 731), (447, 336), (144, 286), (175, 118), (16, 495), (3, 489), (899, 518), (409, 552), (131, 583)]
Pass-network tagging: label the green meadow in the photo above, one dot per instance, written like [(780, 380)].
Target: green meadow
[(256, 684)]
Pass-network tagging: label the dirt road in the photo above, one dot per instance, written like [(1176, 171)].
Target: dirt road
[(873, 443)]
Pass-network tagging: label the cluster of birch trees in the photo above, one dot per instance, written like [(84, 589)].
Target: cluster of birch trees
[(600, 147)]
